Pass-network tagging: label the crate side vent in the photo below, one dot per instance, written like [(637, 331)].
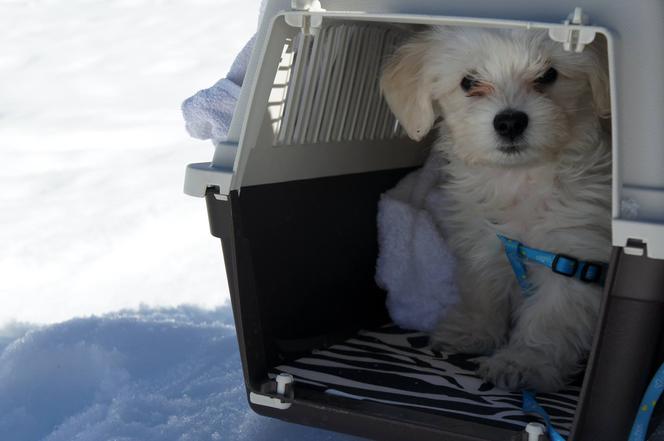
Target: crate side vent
[(326, 86)]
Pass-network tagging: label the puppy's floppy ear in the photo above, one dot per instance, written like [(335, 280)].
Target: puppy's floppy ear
[(407, 86), (598, 77)]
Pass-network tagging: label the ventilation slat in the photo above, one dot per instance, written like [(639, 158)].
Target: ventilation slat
[(326, 88), (364, 79), (349, 83), (335, 87), (277, 101), (323, 91), (372, 94), (298, 80), (309, 90)]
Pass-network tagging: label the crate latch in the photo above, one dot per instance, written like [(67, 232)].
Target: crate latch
[(201, 176), (636, 247), (573, 35), (284, 388), (300, 17)]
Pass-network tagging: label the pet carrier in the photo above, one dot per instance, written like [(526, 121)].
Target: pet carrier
[(293, 192)]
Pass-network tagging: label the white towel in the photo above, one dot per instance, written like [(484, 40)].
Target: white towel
[(415, 266), (209, 112)]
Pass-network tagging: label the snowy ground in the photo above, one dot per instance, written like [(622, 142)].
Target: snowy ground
[(148, 375), (93, 221)]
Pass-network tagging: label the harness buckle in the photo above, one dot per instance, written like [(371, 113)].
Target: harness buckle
[(591, 272), (569, 260)]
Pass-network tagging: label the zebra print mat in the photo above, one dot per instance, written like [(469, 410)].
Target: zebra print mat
[(394, 366)]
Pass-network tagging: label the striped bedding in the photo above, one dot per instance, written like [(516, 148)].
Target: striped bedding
[(394, 366)]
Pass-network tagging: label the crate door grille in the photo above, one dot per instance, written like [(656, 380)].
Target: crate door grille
[(326, 87)]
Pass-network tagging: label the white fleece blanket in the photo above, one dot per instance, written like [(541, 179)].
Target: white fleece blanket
[(415, 266), (209, 112)]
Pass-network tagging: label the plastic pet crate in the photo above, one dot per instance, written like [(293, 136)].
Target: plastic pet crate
[(293, 197)]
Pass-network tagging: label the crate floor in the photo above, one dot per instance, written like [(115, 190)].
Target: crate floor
[(394, 366)]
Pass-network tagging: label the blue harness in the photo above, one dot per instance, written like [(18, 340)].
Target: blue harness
[(517, 253), (650, 398), (531, 406), (585, 271)]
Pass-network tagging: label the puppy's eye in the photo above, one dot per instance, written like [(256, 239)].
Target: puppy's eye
[(548, 77), (467, 83)]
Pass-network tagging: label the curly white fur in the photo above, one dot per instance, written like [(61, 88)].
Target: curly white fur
[(551, 192)]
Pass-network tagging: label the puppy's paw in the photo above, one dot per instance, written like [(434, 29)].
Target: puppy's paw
[(516, 370)]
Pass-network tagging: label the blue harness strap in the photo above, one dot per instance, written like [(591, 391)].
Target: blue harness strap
[(589, 272), (517, 253), (531, 406), (648, 402)]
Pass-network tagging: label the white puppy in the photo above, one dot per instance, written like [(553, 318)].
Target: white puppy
[(528, 159)]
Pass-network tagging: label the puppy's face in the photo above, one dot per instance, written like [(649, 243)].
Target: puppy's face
[(508, 97)]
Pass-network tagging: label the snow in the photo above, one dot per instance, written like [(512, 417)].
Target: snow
[(155, 374), (93, 148), (93, 221)]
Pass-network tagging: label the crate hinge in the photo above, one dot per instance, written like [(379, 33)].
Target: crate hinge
[(573, 34), (301, 17)]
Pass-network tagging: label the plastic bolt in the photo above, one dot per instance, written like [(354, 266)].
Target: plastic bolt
[(282, 381), (534, 431)]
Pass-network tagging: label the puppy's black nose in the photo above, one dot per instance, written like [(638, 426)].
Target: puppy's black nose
[(510, 123)]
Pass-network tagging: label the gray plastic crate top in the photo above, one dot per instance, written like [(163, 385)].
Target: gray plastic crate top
[(285, 128)]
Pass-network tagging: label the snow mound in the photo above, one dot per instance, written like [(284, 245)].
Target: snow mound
[(151, 374)]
